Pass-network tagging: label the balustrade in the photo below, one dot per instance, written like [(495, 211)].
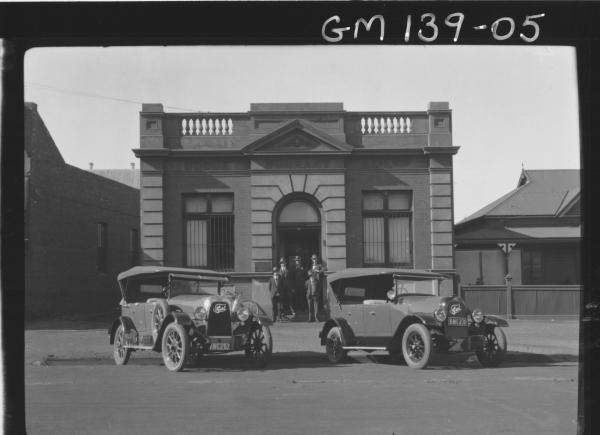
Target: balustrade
[(206, 127), (385, 125)]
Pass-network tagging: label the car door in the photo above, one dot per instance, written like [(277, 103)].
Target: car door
[(352, 309), (135, 308), (378, 326)]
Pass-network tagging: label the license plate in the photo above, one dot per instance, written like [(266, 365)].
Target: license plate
[(220, 346), (457, 321)]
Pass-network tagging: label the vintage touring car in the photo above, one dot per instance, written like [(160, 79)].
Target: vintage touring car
[(185, 313), (399, 311)]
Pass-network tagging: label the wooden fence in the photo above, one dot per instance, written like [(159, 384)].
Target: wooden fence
[(527, 300)]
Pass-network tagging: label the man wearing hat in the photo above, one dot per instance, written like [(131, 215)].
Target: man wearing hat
[(319, 271), (275, 290), (312, 296), (284, 275)]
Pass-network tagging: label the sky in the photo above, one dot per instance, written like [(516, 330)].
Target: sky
[(512, 106)]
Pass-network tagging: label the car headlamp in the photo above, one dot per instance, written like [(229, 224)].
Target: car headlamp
[(440, 314), (477, 315), (243, 314), (200, 313)]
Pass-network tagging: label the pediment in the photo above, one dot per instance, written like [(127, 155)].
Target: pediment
[(297, 137)]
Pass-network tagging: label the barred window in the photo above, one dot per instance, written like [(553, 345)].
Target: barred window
[(387, 232), (208, 238)]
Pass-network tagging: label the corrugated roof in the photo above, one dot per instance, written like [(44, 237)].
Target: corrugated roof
[(540, 192), (548, 232)]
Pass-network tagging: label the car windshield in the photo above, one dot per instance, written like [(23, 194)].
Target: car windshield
[(193, 287)]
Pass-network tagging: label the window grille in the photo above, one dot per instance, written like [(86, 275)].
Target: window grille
[(209, 234)]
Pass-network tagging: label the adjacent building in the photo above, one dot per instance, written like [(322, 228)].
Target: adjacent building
[(237, 191), (532, 233), (81, 230)]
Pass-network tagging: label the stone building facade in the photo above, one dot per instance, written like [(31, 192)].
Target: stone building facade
[(238, 191)]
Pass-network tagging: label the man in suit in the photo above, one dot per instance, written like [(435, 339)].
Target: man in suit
[(313, 291), (285, 276), (319, 270), (275, 290), (297, 281)]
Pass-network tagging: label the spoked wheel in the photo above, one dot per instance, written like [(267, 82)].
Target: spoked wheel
[(333, 346), (494, 347), (175, 347), (120, 352), (260, 346), (416, 346)]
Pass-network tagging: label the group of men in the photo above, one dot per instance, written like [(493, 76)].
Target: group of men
[(286, 285)]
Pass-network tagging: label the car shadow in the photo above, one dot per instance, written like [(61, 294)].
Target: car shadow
[(469, 362), (307, 359), (208, 363)]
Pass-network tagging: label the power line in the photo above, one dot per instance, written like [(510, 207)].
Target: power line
[(90, 95)]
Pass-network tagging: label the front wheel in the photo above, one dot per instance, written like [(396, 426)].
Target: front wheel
[(494, 347), (120, 352), (333, 346), (175, 347), (260, 346), (416, 346)]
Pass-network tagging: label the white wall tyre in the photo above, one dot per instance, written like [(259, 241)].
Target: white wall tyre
[(494, 347), (175, 347), (416, 346), (333, 346), (120, 352)]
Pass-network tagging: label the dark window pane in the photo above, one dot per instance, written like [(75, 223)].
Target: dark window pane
[(373, 201), (222, 203), (196, 204), (399, 201)]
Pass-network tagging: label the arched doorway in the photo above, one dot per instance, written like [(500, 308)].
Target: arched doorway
[(297, 229)]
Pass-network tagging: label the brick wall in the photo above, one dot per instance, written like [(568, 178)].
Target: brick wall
[(65, 205)]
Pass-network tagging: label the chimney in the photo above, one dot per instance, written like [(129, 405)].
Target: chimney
[(91, 166)]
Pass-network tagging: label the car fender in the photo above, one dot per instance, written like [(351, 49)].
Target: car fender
[(495, 320), (348, 337), (127, 323), (423, 318), (264, 320), (173, 317)]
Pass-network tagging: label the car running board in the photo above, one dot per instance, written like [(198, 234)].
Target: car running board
[(363, 348), (139, 347)]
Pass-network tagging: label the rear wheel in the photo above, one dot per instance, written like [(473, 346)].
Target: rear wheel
[(120, 352), (416, 346), (175, 347), (494, 347), (333, 346)]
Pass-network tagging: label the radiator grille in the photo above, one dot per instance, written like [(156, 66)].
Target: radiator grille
[(219, 319)]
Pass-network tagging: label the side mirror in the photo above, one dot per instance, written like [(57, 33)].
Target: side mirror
[(392, 295)]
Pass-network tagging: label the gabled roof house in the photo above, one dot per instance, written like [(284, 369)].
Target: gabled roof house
[(532, 233)]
